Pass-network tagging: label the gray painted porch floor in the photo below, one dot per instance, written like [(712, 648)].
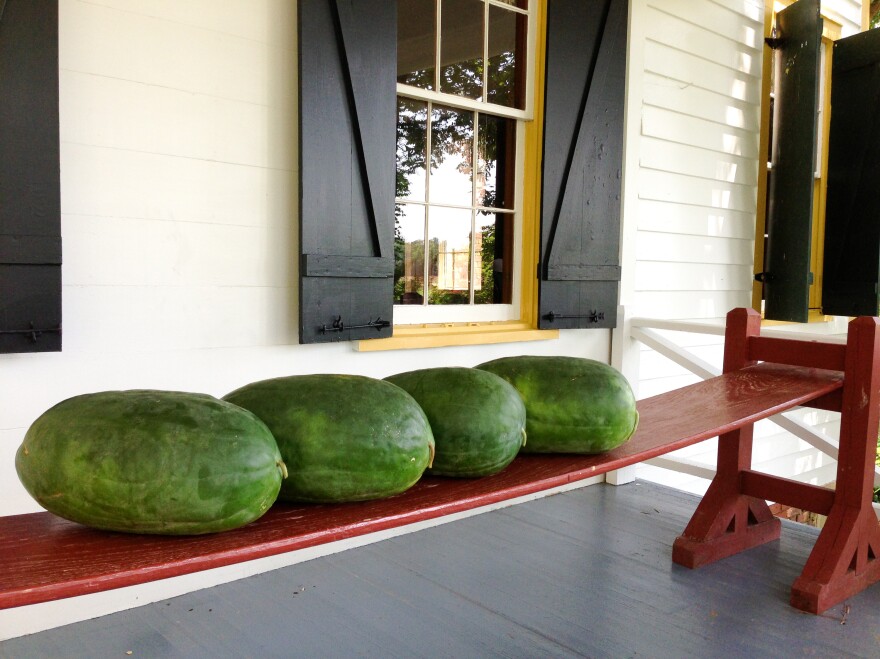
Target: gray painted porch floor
[(585, 573)]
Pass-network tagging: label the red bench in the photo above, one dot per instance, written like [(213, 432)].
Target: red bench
[(47, 558)]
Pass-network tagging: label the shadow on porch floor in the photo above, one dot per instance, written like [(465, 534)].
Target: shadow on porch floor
[(584, 573)]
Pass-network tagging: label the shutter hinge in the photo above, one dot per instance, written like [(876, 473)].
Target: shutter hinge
[(763, 277)]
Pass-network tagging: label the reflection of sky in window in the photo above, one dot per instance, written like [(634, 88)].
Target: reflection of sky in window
[(449, 184)]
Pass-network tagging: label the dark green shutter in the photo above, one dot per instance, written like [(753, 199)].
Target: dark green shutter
[(787, 274), (348, 63), (30, 207), (583, 154), (852, 212)]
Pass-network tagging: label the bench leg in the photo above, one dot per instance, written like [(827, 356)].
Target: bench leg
[(726, 521), (846, 557)]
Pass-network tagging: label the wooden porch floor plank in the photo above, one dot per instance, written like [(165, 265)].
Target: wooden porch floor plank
[(48, 558)]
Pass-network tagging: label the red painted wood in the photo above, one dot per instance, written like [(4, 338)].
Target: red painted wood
[(787, 492), (811, 354), (727, 521), (47, 558), (846, 557)]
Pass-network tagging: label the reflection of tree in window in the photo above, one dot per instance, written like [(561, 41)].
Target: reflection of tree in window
[(458, 201)]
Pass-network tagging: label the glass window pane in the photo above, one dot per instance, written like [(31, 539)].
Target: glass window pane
[(416, 42), (496, 158), (461, 48), (450, 254), (412, 148), (409, 254), (493, 242), (522, 4), (452, 135), (505, 68)]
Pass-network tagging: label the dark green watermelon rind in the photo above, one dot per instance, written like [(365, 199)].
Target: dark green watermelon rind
[(477, 418), (141, 461), (344, 438), (573, 405)]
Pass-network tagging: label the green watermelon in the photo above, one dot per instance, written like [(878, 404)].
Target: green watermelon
[(343, 437), (477, 418), (144, 461), (573, 405)]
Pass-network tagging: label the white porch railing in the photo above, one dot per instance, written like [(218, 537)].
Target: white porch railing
[(648, 332)]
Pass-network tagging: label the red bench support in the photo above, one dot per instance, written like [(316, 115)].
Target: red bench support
[(733, 515)]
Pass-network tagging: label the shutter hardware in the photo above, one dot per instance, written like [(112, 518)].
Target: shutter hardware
[(593, 316), (34, 333), (339, 326)]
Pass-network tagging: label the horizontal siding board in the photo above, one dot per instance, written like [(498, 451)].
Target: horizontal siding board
[(685, 305), (115, 183), (662, 216), (752, 10), (683, 129), (668, 62), (661, 276), (178, 318), (665, 186), (680, 97), (117, 251), (121, 114), (740, 22), (694, 161), (725, 50), (102, 40), (683, 249), (261, 22)]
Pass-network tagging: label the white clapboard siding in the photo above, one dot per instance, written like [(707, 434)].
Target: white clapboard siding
[(656, 215), (847, 13)]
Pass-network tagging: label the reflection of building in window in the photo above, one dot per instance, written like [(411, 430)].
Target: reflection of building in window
[(453, 266)]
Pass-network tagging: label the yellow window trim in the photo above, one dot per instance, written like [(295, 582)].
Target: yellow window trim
[(438, 336), (526, 328)]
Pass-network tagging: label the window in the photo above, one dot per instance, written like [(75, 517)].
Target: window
[(499, 208), (461, 95)]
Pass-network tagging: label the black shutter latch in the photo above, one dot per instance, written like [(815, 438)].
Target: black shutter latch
[(763, 277), (339, 326), (593, 316)]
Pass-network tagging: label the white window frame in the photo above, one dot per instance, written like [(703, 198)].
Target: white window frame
[(409, 314)]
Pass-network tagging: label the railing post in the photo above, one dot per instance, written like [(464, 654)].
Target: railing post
[(625, 356)]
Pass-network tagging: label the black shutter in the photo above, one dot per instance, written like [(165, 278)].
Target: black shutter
[(852, 212), (30, 207), (787, 276), (348, 64), (583, 154)]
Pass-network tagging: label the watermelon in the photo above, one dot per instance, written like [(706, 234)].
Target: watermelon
[(145, 461), (573, 405), (477, 418), (343, 437)]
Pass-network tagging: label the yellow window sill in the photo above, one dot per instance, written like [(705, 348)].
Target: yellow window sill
[(407, 337)]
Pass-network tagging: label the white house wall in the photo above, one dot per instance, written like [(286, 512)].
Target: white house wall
[(179, 216), (695, 86)]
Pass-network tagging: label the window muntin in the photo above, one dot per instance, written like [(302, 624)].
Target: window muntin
[(456, 229)]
